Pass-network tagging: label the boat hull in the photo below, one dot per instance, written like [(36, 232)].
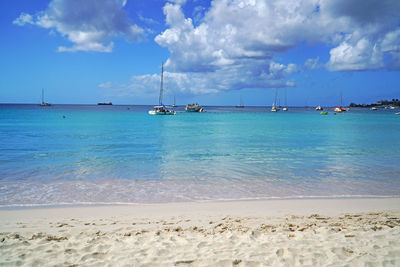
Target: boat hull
[(153, 112), (45, 105)]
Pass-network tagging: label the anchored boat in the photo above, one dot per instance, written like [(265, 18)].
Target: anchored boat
[(195, 107), (274, 107), (241, 103), (160, 109), (319, 108), (44, 104)]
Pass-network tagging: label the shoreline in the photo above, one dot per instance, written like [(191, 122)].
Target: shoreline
[(117, 204), (313, 232), (259, 206)]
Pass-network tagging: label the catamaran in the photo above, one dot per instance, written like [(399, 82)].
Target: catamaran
[(44, 104), (274, 107), (161, 109)]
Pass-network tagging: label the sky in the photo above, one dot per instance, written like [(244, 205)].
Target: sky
[(214, 52)]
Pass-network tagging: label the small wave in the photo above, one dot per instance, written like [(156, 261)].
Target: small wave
[(121, 203)]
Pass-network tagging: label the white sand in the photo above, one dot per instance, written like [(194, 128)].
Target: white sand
[(341, 232)]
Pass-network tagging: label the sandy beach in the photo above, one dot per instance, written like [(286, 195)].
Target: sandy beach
[(316, 232)]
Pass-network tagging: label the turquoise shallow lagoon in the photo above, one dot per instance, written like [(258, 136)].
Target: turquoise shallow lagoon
[(120, 154)]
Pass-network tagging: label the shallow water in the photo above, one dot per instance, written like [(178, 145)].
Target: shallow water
[(120, 154)]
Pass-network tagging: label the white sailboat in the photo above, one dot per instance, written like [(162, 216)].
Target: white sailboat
[(174, 105), (274, 107), (44, 104), (161, 109), (340, 108), (319, 108), (285, 108), (241, 103)]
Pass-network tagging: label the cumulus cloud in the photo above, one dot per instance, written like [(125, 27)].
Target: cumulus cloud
[(248, 35), (237, 44), (90, 25), (370, 27), (362, 55), (234, 77), (260, 29), (23, 19)]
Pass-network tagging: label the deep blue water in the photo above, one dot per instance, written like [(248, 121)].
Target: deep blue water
[(120, 154)]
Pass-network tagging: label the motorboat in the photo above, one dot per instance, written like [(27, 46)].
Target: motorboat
[(195, 107)]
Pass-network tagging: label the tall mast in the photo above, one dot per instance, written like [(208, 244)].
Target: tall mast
[(161, 86), (276, 95), (285, 98), (341, 100), (42, 95)]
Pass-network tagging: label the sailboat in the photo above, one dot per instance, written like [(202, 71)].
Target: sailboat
[(174, 105), (285, 108), (340, 108), (161, 109), (44, 104), (274, 107), (241, 103)]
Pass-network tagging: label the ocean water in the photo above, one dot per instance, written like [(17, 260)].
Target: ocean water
[(120, 154)]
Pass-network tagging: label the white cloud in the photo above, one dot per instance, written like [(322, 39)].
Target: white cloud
[(248, 35), (391, 46), (179, 2), (362, 45), (89, 25), (237, 43), (23, 19), (233, 77), (360, 56)]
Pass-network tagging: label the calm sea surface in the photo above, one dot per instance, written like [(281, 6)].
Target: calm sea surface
[(120, 154)]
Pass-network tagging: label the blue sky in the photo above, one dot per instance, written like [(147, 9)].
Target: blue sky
[(111, 50)]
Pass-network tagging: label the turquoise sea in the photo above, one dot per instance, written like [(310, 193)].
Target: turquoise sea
[(120, 154)]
